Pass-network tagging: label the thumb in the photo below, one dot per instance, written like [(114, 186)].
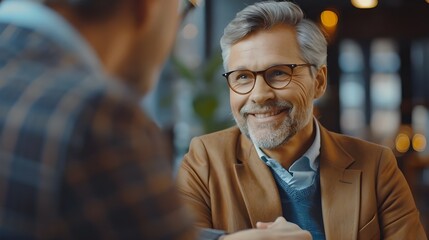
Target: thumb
[(277, 222), (263, 225)]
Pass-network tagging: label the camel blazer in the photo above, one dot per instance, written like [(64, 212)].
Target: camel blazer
[(364, 194)]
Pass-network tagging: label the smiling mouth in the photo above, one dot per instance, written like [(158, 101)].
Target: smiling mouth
[(265, 115), (269, 114), (266, 111)]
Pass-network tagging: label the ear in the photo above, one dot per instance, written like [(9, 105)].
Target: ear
[(143, 9), (321, 82)]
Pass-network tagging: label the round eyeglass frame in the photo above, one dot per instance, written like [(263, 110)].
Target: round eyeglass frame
[(255, 74)]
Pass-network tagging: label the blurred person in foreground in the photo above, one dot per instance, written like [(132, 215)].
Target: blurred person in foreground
[(78, 157), (279, 160)]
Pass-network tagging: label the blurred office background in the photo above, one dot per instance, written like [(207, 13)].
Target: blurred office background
[(378, 68)]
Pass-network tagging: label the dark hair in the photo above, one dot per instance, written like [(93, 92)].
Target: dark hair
[(90, 9)]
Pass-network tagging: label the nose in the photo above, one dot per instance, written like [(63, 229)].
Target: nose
[(261, 91)]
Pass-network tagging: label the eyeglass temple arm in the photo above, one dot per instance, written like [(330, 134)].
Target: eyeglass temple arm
[(191, 5)]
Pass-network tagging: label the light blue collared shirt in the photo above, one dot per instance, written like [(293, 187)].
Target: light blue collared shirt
[(302, 172), (34, 15)]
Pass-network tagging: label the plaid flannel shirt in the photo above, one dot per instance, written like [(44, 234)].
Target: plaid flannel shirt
[(78, 158)]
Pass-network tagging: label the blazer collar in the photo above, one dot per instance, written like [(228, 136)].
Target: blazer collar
[(340, 189), (256, 184), (332, 152)]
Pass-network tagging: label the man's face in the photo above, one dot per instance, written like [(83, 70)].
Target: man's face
[(271, 117)]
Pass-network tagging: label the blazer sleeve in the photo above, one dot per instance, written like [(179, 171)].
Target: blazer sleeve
[(192, 180), (399, 217)]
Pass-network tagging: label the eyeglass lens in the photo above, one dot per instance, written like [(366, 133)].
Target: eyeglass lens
[(242, 81)]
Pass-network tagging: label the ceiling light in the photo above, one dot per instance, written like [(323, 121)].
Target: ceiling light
[(329, 18), (365, 3)]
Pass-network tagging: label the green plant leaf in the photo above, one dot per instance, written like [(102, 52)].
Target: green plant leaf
[(183, 70), (205, 106), (212, 67)]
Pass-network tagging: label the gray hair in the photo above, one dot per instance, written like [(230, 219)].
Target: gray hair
[(264, 15)]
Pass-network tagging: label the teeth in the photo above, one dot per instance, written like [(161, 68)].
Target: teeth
[(264, 115)]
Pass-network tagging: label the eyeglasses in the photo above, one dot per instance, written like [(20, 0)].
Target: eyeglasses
[(277, 77), (190, 4)]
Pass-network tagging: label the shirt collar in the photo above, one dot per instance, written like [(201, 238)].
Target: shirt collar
[(312, 153), (34, 15)]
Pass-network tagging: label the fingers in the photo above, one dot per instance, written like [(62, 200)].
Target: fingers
[(280, 221), (280, 229)]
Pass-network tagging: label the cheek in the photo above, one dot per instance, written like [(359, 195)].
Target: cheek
[(236, 103), (304, 94)]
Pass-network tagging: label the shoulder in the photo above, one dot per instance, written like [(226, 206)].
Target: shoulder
[(337, 148), (216, 143), (350, 144), (214, 148), (62, 96), (228, 135), (354, 143)]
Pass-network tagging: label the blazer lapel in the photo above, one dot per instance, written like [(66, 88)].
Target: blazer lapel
[(340, 190), (256, 184)]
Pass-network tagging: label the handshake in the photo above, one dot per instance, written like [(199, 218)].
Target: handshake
[(279, 229)]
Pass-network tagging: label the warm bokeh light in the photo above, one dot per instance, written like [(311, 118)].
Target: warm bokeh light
[(329, 18), (419, 142), (365, 3), (402, 143), (190, 31)]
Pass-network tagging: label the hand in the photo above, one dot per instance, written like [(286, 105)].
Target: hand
[(279, 229)]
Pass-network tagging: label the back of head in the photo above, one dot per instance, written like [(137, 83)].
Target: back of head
[(140, 33), (264, 15), (89, 9)]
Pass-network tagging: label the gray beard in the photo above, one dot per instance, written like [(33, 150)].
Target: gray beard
[(274, 136)]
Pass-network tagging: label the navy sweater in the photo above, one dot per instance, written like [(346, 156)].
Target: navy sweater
[(303, 207)]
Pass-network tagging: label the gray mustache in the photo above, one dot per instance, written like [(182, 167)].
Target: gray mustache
[(257, 108)]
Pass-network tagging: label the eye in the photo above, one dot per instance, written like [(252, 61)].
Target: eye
[(242, 76), (278, 74)]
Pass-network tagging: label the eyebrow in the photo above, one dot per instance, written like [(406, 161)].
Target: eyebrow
[(271, 65)]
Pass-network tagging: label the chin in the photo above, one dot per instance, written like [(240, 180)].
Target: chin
[(271, 140)]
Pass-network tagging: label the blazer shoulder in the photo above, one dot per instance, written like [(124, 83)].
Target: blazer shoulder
[(215, 148), (360, 152), (228, 135)]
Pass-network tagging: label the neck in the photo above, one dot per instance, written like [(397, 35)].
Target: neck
[(110, 39), (293, 149)]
